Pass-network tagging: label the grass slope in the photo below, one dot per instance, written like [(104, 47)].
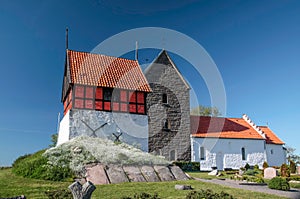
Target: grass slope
[(12, 185)]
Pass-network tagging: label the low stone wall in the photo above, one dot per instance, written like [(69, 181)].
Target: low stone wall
[(112, 174)]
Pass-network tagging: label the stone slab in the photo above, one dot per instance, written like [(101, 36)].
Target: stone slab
[(213, 172), (183, 187), (270, 173), (116, 174), (178, 173), (164, 173), (96, 174), (149, 174), (134, 174)]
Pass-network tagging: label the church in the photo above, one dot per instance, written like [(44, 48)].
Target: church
[(111, 97)]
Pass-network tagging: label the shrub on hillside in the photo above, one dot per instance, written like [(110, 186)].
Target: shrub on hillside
[(208, 194), (188, 166), (279, 184), (36, 166), (59, 194)]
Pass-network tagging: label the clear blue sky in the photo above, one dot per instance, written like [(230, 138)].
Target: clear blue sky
[(255, 45)]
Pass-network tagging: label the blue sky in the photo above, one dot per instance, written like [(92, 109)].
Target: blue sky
[(255, 45)]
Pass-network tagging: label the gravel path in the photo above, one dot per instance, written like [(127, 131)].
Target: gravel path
[(293, 193)]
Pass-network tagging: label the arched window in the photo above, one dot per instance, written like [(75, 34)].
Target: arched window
[(164, 98), (167, 125), (243, 154), (272, 151)]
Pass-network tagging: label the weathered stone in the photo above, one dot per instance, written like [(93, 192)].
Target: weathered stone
[(183, 187), (164, 173), (116, 174), (134, 174), (178, 173), (149, 174), (270, 173), (298, 170), (96, 174), (213, 172), (82, 191)]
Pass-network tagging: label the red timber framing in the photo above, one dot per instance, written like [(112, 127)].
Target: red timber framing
[(106, 99)]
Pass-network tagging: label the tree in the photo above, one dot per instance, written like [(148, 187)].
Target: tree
[(291, 156), (53, 140), (205, 111)]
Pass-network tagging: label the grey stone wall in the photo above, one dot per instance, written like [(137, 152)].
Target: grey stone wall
[(172, 142), (134, 127)]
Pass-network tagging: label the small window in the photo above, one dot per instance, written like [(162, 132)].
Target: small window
[(107, 93), (164, 98), (172, 155), (271, 151), (202, 153), (167, 125), (243, 154)]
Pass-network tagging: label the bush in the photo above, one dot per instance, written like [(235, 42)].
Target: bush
[(247, 166), (252, 172), (265, 165), (292, 166), (188, 166), (279, 184), (142, 196), (208, 194), (284, 170), (256, 167), (59, 194), (36, 166)]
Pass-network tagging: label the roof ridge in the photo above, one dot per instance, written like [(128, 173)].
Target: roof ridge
[(253, 125)]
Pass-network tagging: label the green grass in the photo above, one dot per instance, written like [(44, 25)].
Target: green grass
[(12, 185)]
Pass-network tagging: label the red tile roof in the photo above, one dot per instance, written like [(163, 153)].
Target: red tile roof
[(217, 127), (271, 138), (106, 71)]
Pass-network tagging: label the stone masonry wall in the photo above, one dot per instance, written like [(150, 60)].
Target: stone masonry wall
[(173, 142)]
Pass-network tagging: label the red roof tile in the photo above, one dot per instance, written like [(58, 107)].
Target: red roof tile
[(271, 138), (106, 71), (203, 126)]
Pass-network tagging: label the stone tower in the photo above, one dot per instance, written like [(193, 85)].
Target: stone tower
[(168, 107)]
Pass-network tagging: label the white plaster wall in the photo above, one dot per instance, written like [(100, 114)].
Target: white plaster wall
[(278, 157), (226, 153), (134, 127), (64, 129)]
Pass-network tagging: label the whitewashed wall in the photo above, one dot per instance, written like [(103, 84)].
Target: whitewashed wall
[(64, 129), (226, 153), (103, 124), (278, 157)]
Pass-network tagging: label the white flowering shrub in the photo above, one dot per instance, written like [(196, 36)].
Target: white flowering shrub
[(84, 150)]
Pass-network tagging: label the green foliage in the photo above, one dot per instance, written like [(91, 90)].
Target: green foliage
[(259, 180), (142, 196), (53, 140), (252, 172), (284, 170), (290, 152), (256, 167), (279, 184), (292, 166), (188, 166), (247, 166), (205, 111), (59, 194), (208, 194), (36, 166), (265, 165)]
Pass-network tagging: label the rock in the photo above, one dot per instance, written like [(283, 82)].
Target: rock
[(178, 173), (164, 173), (270, 173), (134, 174), (149, 174), (116, 174), (96, 174), (241, 172), (213, 172), (82, 191), (183, 187)]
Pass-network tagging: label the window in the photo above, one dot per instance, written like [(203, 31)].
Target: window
[(107, 93), (243, 154), (167, 125), (202, 153), (172, 155), (271, 151), (164, 98)]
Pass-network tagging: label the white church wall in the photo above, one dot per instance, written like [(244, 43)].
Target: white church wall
[(64, 129), (275, 154), (134, 127), (227, 153)]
